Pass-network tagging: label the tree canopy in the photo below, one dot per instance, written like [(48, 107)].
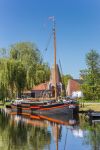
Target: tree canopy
[(91, 76), (21, 69)]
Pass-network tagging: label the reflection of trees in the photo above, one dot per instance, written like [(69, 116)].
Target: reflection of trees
[(4, 119), (39, 137), (17, 135), (22, 136), (93, 135)]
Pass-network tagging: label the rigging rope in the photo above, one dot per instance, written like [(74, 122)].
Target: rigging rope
[(49, 39), (47, 44)]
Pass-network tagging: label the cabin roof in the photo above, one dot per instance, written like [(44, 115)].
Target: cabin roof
[(42, 86)]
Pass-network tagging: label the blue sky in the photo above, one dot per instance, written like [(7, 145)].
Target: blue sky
[(77, 28)]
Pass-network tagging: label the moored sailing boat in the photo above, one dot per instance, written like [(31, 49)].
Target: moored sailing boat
[(47, 106)]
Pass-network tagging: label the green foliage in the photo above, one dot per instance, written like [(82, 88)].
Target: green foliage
[(91, 76), (20, 78), (93, 136), (3, 79), (3, 52), (22, 69), (42, 73), (29, 55), (65, 79), (26, 52), (21, 135)]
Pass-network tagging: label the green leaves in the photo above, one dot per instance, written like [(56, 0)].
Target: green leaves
[(65, 79), (22, 69), (42, 73), (91, 76), (20, 78)]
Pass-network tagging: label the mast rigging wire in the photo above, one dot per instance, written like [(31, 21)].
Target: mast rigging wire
[(48, 42)]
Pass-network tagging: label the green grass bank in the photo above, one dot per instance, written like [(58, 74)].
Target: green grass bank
[(87, 106)]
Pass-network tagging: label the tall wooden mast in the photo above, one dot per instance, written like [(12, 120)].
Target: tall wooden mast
[(55, 65)]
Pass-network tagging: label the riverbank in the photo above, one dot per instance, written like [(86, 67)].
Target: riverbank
[(88, 106), (2, 105)]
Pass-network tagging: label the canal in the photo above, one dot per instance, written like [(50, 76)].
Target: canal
[(31, 132)]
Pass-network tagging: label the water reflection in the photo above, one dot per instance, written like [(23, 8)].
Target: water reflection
[(19, 134), (45, 133), (92, 135)]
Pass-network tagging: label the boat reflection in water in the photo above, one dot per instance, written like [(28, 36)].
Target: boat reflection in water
[(69, 119), (39, 132), (53, 122)]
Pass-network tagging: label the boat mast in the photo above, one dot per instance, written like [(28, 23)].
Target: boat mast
[(55, 65)]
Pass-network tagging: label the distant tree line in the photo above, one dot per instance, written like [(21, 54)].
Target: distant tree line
[(21, 69)]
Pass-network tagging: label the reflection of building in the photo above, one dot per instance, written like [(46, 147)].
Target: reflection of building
[(47, 89), (78, 133), (74, 88)]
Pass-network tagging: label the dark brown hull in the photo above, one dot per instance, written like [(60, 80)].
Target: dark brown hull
[(51, 109)]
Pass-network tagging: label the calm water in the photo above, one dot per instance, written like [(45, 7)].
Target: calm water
[(37, 133)]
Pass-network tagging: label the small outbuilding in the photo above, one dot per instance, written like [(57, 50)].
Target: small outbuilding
[(74, 88)]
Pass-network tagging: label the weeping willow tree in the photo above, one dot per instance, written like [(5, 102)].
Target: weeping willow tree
[(20, 78), (12, 78), (3, 79), (21, 69), (42, 73)]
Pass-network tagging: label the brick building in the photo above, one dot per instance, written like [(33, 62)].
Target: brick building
[(47, 89), (74, 88)]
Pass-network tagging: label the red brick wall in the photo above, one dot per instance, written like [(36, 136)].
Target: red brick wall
[(72, 86)]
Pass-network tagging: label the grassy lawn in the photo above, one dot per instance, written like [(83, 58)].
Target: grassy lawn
[(3, 105), (92, 106)]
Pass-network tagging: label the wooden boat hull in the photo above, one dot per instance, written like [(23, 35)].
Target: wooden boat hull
[(52, 110), (55, 108)]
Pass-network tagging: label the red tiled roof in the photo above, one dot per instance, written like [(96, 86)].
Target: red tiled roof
[(27, 91), (42, 86)]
